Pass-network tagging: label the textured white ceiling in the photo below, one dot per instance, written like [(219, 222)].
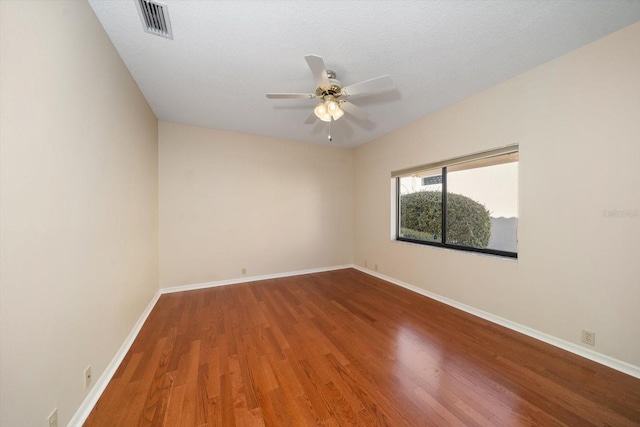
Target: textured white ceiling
[(226, 55)]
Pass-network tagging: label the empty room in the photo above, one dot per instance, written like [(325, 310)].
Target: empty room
[(337, 213)]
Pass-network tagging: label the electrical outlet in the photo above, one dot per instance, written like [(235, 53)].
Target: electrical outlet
[(376, 267), (588, 337), (87, 377), (53, 418), (365, 263), (244, 270)]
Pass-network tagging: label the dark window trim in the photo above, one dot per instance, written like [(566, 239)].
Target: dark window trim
[(397, 208), (460, 248), (443, 208), (444, 243)]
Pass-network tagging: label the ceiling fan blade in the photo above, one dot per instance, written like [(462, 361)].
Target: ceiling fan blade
[(291, 95), (318, 69), (379, 83), (311, 119), (354, 110)]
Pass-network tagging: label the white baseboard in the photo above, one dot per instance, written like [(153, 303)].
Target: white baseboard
[(98, 388), (92, 398), (250, 279), (603, 359)]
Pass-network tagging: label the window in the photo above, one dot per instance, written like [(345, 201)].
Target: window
[(469, 203)]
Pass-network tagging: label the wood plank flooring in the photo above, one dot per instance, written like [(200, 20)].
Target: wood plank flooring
[(343, 348)]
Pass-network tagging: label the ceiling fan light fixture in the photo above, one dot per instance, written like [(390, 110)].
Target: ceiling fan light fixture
[(322, 113), (329, 109), (337, 113), (332, 104)]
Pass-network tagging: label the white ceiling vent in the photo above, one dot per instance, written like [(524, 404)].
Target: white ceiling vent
[(155, 18)]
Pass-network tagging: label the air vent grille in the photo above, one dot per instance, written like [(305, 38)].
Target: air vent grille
[(155, 18)]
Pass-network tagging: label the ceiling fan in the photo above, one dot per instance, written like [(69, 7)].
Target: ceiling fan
[(333, 95)]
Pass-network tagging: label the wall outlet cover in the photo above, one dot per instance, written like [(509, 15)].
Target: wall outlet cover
[(87, 377), (589, 337), (53, 418)]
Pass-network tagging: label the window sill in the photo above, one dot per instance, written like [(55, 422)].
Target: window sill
[(507, 257)]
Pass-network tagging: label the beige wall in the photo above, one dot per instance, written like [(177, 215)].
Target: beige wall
[(577, 120), (80, 170), (78, 211), (230, 200)]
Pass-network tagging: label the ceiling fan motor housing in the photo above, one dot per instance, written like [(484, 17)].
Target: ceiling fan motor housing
[(334, 89)]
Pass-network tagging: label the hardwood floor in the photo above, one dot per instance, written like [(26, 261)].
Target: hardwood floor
[(343, 348)]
